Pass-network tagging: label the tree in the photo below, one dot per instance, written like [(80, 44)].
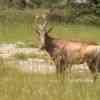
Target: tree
[(97, 3)]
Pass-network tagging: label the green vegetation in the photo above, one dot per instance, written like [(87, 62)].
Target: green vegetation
[(23, 56), (97, 7), (72, 10), (16, 25), (77, 32), (17, 85), (22, 33)]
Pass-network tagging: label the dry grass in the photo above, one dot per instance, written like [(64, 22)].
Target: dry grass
[(16, 85)]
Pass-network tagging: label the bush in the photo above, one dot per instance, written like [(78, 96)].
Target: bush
[(97, 7), (88, 19)]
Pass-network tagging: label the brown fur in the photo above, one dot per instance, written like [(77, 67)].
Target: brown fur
[(67, 52)]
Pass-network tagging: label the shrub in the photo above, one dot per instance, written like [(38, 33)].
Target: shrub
[(97, 3)]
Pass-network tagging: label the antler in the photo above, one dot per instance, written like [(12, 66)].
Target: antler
[(42, 24)]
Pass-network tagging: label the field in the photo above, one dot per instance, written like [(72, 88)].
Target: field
[(19, 26), (17, 85)]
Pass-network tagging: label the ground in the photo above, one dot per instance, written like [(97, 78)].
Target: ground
[(17, 85)]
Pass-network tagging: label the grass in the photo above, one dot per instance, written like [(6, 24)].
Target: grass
[(78, 32), (25, 33), (19, 26), (23, 56), (17, 85)]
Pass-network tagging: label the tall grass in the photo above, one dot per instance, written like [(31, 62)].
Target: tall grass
[(17, 85)]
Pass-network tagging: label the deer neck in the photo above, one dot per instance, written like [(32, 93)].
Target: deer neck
[(49, 44)]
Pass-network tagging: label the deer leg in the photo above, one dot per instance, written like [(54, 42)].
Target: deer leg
[(94, 77), (61, 68), (97, 70), (60, 72), (60, 63), (94, 72), (69, 70), (58, 68)]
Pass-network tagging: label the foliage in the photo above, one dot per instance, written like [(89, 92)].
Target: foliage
[(46, 3), (71, 11), (97, 3), (28, 3), (79, 9), (16, 25)]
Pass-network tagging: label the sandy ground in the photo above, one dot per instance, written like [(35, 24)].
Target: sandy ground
[(31, 64)]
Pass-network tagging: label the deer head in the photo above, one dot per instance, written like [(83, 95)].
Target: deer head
[(42, 29)]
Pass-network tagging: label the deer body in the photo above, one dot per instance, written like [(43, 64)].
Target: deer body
[(75, 52), (67, 52)]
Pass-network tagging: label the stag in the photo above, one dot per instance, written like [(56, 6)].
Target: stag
[(50, 44), (66, 53)]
